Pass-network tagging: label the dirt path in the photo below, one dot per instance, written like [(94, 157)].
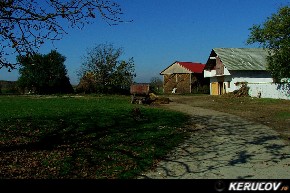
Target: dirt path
[(224, 147)]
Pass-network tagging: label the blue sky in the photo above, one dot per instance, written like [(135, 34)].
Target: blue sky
[(164, 31)]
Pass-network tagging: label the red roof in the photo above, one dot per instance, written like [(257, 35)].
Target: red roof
[(192, 66)]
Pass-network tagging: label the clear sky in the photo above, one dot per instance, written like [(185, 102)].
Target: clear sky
[(164, 31)]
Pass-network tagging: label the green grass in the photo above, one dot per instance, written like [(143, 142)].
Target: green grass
[(85, 137), (283, 115)]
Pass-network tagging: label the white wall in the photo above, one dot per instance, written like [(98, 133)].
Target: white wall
[(259, 77), (257, 81), (270, 90), (209, 73), (212, 73)]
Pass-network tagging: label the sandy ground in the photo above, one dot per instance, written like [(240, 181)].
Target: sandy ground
[(224, 147)]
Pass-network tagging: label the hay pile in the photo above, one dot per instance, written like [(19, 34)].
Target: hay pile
[(158, 100), (151, 99)]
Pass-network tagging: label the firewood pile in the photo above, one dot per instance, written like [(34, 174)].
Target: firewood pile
[(242, 92)]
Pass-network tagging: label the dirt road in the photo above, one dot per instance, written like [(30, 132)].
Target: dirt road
[(225, 146)]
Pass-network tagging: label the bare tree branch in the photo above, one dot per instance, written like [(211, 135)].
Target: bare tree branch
[(26, 24)]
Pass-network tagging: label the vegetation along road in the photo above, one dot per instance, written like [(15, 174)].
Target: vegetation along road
[(226, 146)]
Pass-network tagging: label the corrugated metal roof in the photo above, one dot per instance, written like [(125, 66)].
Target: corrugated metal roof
[(243, 58)]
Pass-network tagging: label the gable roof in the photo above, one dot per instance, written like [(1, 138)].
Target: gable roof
[(184, 67), (193, 66), (242, 58)]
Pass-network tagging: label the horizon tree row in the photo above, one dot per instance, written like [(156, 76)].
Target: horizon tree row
[(103, 71)]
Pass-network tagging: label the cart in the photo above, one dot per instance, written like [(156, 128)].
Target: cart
[(139, 93)]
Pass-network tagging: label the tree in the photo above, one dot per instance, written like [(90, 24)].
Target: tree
[(274, 35), (46, 74), (26, 24), (156, 84), (111, 74), (87, 84)]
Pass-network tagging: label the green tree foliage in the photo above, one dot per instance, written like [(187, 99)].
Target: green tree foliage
[(111, 73), (274, 35), (27, 24), (156, 85), (45, 74), (87, 84)]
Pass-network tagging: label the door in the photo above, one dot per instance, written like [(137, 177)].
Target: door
[(214, 88)]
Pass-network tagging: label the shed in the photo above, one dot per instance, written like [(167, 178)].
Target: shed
[(185, 77)]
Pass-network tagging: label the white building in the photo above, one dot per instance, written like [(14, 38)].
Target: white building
[(229, 68)]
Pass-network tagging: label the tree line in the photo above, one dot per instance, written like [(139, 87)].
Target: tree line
[(103, 71), (26, 25)]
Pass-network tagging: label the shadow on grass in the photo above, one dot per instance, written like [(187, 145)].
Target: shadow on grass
[(88, 145)]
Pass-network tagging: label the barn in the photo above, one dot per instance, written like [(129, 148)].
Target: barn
[(184, 77), (229, 68)]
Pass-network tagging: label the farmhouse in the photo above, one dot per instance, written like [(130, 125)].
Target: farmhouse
[(185, 77), (229, 68)]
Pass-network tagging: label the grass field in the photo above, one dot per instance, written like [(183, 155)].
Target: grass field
[(106, 137), (92, 137)]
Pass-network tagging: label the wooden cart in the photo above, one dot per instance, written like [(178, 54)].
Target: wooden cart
[(139, 93)]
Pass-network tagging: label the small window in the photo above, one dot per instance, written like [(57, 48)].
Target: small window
[(229, 84)]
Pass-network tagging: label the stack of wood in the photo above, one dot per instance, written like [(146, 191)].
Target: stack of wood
[(242, 92)]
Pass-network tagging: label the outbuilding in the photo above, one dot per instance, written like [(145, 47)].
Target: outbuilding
[(185, 77)]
